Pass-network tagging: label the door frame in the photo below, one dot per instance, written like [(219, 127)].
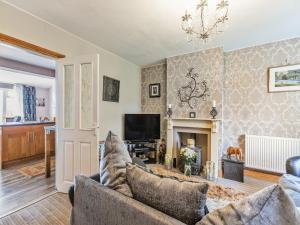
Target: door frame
[(30, 47)]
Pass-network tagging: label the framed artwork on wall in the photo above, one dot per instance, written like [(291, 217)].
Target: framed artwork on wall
[(40, 102), (284, 78), (111, 89), (154, 90), (192, 114)]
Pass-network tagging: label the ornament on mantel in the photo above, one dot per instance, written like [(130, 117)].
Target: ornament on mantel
[(193, 90), (169, 111), (214, 111)]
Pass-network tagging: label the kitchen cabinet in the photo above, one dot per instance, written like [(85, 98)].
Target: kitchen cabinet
[(23, 142), (38, 139)]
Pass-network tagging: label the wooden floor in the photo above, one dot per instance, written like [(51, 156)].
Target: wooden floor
[(273, 178), (17, 190), (54, 210)]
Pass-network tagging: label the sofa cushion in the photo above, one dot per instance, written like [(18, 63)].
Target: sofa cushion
[(114, 157), (99, 205), (184, 200), (270, 206)]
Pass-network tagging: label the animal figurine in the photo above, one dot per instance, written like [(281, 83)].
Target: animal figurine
[(237, 151)]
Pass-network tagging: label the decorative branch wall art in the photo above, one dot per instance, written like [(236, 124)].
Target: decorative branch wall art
[(193, 90)]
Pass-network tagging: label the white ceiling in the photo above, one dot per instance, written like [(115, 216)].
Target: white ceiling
[(147, 31), (12, 77), (21, 55)]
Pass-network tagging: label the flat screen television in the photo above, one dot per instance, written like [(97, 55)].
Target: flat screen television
[(142, 127)]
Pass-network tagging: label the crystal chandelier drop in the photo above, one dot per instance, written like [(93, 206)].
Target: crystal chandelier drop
[(206, 20)]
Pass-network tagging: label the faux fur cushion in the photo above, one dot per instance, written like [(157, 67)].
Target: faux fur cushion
[(114, 157), (184, 200), (215, 191), (270, 206)]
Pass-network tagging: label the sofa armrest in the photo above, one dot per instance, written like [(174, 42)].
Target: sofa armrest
[(99, 205), (95, 177), (293, 166)]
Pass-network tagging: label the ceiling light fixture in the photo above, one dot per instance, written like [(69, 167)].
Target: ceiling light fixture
[(206, 19)]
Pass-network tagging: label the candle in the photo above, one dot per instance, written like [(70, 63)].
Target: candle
[(214, 103), (170, 106)]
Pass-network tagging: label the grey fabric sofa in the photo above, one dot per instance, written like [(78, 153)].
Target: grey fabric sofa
[(95, 204)]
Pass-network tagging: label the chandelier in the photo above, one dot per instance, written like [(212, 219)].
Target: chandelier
[(206, 20)]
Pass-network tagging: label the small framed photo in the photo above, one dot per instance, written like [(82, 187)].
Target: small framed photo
[(192, 114), (40, 102), (284, 78), (154, 90)]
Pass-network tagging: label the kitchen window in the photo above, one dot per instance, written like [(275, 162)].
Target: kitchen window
[(11, 102)]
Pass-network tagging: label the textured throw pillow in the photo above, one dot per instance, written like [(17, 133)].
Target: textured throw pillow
[(114, 157), (270, 206), (184, 200)]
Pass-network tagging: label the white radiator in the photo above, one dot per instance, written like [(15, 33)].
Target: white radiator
[(269, 153)]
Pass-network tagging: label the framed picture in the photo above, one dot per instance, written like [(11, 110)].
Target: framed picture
[(154, 90), (192, 114), (40, 102), (111, 89), (284, 78)]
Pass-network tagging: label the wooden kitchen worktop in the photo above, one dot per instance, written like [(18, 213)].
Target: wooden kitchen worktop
[(22, 141), (26, 123)]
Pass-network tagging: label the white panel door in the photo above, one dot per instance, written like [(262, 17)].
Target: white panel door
[(77, 119)]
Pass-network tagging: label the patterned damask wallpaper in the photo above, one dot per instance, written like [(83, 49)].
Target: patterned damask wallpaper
[(151, 75), (248, 107), (239, 79), (209, 65)]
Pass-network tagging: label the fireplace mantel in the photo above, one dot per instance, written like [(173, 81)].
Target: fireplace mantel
[(204, 123), (207, 126)]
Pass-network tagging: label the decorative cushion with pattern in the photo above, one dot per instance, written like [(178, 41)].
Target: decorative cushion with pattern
[(270, 206), (114, 157), (182, 200)]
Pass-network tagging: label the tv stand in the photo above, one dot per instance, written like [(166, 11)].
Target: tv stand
[(145, 150)]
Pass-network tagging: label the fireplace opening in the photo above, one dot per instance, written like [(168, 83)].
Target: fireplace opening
[(201, 147), (206, 133)]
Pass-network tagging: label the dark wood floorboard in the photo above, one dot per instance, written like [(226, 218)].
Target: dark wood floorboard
[(53, 210), (17, 190)]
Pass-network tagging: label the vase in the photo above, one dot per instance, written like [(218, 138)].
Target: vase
[(188, 170), (168, 166), (210, 170)]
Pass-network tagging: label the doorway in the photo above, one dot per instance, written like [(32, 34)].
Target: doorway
[(76, 118), (27, 110)]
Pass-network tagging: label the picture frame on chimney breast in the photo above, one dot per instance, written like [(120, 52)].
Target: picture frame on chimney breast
[(154, 90), (192, 115)]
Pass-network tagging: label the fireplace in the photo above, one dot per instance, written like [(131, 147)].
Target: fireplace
[(205, 132)]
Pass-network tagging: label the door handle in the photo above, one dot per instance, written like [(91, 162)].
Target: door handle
[(97, 130)]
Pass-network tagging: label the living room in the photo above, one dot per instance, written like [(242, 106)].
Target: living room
[(194, 106)]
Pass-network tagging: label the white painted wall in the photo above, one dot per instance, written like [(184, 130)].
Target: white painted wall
[(21, 25), (111, 113)]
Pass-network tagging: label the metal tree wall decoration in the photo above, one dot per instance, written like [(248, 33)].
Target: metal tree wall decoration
[(193, 90)]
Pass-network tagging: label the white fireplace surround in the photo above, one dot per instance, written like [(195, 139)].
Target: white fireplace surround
[(210, 127)]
